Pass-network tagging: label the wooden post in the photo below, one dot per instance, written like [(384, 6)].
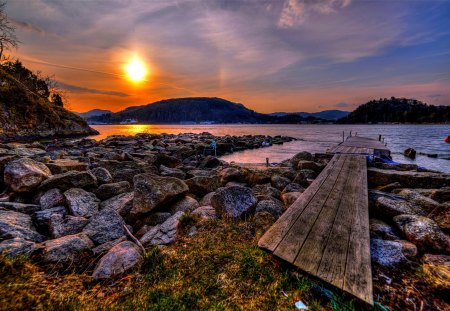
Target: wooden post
[(267, 162), (343, 136), (379, 137), (350, 133)]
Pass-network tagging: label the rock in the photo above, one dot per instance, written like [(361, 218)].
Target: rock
[(301, 156), (120, 259), (428, 180), (172, 172), (106, 225), (42, 218), (156, 218), (279, 182), (233, 202), (64, 165), (64, 251), (257, 177), (206, 200), (308, 174), (61, 226), (293, 187), (210, 162), (387, 253), (122, 203), (103, 248), (410, 153), (263, 221), (408, 249), (25, 175), (381, 230), (167, 160), (309, 165), (81, 203), (441, 195), (107, 191), (72, 179), (302, 178), (437, 270), (390, 187), (266, 189), (201, 185), (425, 203), (18, 225), (276, 208), (195, 173), (387, 206), (424, 233), (28, 152), (231, 174), (103, 175), (17, 246), (398, 166), (186, 204), (51, 198), (152, 191), (290, 197), (205, 212), (441, 215), (165, 233), (28, 209)]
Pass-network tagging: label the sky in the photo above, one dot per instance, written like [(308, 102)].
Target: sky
[(278, 55)]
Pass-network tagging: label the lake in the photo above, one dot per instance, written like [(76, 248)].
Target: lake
[(428, 139)]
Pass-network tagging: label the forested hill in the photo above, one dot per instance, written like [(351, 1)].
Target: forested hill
[(398, 110)]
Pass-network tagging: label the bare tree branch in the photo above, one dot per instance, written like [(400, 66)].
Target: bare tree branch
[(8, 38)]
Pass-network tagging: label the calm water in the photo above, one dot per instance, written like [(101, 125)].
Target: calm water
[(312, 137)]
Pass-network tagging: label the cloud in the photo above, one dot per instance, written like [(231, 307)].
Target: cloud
[(79, 89), (28, 26), (342, 105)]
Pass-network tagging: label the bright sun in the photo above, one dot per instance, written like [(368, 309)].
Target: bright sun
[(136, 70)]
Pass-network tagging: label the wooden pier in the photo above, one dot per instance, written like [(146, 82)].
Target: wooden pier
[(326, 231)]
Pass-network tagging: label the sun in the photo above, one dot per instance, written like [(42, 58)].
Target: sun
[(136, 70)]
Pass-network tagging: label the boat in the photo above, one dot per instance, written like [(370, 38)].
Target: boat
[(129, 121), (447, 140)]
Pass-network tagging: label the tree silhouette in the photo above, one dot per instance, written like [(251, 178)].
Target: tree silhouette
[(8, 39)]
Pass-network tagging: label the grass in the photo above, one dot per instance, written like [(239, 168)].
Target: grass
[(219, 268)]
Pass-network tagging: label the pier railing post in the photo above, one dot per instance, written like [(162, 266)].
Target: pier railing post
[(343, 136), (267, 162), (379, 137)]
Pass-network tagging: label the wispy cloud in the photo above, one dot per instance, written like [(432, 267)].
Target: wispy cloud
[(80, 89)]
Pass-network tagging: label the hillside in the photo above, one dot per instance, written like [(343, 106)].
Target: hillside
[(193, 109), (25, 114), (93, 113), (398, 110), (325, 115)]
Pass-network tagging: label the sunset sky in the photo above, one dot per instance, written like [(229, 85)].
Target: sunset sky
[(293, 55)]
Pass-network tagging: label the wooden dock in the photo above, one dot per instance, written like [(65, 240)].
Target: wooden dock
[(326, 231)]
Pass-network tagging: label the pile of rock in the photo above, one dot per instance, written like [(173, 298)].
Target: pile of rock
[(105, 201), (410, 216)]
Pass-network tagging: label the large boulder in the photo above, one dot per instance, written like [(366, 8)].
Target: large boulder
[(386, 206), (152, 191), (205, 212), (266, 190), (103, 175), (165, 233), (441, 215), (279, 182), (424, 233), (202, 185), (122, 203), (428, 180), (18, 225), (424, 202), (59, 166), (42, 218), (210, 162), (186, 204), (233, 202), (17, 246), (289, 198), (274, 207), (171, 172), (381, 230), (231, 174), (301, 156), (71, 179), (25, 175), (66, 250), (441, 195), (61, 226), (410, 153), (81, 203), (387, 253), (107, 191), (104, 226), (51, 198), (120, 259)]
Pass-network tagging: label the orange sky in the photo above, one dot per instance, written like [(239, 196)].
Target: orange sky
[(272, 56)]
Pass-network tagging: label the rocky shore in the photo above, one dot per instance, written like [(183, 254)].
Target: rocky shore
[(105, 204)]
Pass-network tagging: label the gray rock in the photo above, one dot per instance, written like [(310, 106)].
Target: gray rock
[(206, 200), (17, 246), (42, 218), (205, 212), (152, 191), (71, 179), (156, 218), (441, 195), (61, 226), (428, 180), (408, 248), (107, 191), (293, 187), (424, 233), (104, 226), (51, 198), (301, 156), (388, 207), (165, 233), (186, 204), (81, 203), (387, 253), (266, 189), (424, 202), (231, 174), (25, 175), (18, 225), (309, 165), (28, 209), (122, 203), (273, 207), (103, 175), (103, 248), (59, 166), (279, 182), (233, 202), (195, 173), (64, 251), (201, 185), (290, 197), (441, 215), (210, 162), (122, 258), (172, 172), (381, 230)]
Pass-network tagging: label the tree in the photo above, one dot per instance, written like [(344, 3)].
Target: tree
[(8, 39)]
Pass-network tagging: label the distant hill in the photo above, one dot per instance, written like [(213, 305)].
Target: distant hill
[(93, 113), (397, 110), (26, 111), (325, 115)]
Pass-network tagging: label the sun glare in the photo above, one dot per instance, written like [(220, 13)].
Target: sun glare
[(136, 70)]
